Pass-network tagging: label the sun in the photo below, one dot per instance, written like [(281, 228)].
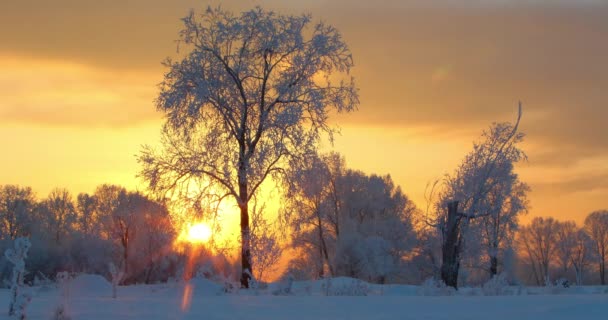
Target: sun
[(199, 233)]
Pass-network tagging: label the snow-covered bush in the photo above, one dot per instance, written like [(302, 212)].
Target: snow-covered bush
[(42, 281), (61, 313), (497, 286), (63, 282), (284, 287), (18, 298), (345, 287), (434, 287), (117, 276), (560, 286)]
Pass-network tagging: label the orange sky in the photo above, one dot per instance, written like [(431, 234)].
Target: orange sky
[(78, 79)]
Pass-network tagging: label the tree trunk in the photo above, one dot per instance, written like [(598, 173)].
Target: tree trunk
[(324, 254), (493, 266), (451, 247), (579, 275), (246, 266)]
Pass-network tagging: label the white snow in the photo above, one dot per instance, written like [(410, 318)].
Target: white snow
[(90, 285), (90, 299)]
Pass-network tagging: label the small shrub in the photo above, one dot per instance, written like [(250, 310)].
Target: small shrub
[(434, 287), (497, 286), (284, 287), (352, 288), (60, 313)]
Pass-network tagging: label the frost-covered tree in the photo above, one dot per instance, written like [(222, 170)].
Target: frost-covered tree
[(596, 225), (375, 217), (18, 299), (16, 207), (347, 223), (253, 91), (506, 202), (265, 242), (484, 186), (306, 209)]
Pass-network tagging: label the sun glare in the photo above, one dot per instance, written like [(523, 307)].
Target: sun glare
[(199, 233)]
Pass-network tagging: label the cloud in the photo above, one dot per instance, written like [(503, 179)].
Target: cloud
[(452, 67), (59, 93)]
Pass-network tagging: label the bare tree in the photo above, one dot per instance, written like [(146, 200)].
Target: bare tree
[(566, 243), (539, 241), (59, 213), (596, 225), (86, 213), (252, 92), (581, 254)]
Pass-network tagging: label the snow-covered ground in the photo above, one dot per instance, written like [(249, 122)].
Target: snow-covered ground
[(90, 299)]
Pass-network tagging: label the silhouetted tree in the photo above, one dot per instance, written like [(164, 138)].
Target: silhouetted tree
[(252, 92)]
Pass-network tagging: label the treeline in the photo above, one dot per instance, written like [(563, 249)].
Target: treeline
[(336, 221), (553, 249), (88, 232), (347, 223)]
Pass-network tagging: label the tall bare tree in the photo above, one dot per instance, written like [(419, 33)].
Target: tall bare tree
[(539, 241), (596, 225), (252, 92)]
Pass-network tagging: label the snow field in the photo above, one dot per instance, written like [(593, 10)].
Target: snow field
[(90, 298)]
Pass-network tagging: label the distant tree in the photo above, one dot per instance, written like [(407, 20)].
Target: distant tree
[(252, 93), (124, 222), (86, 213), (59, 214), (565, 247), (306, 210), (107, 198), (345, 222), (581, 254), (539, 241), (155, 234), (596, 225), (376, 227), (266, 248), (16, 207), (483, 186)]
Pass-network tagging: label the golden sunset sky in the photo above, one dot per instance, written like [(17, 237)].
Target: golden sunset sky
[(78, 79)]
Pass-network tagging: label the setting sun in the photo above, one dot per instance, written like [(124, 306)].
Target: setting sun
[(199, 233)]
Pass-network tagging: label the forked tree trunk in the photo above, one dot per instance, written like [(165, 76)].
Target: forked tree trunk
[(451, 247)]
